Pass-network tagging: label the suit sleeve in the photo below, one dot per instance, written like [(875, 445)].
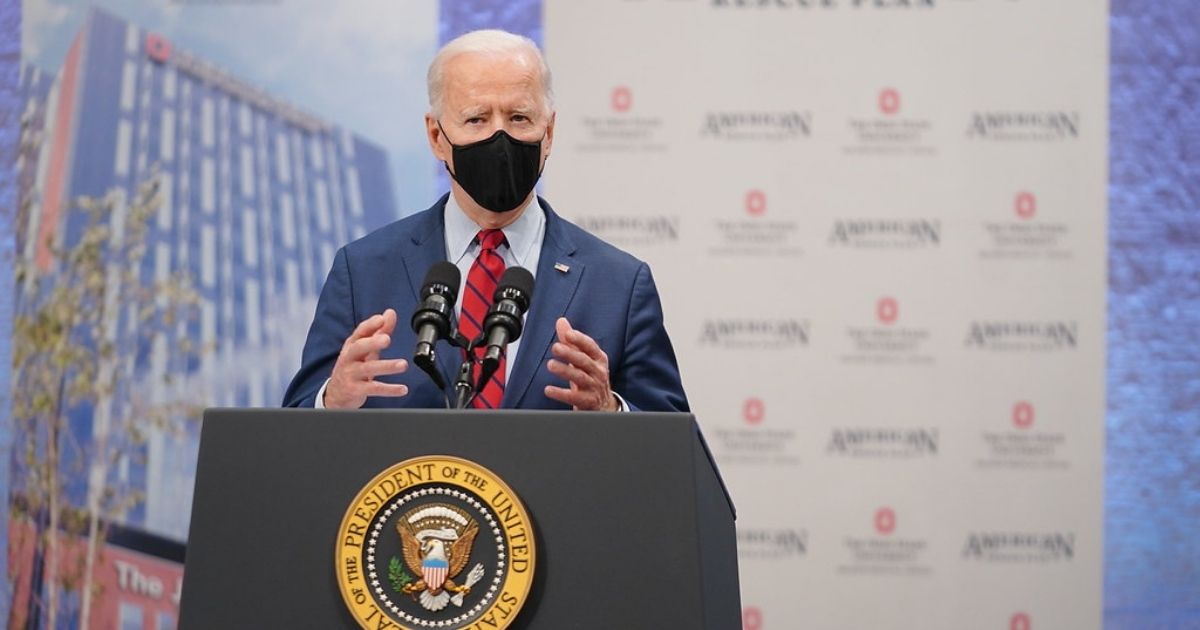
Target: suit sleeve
[(648, 377), (332, 323)]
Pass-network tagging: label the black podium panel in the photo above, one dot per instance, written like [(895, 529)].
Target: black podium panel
[(634, 529)]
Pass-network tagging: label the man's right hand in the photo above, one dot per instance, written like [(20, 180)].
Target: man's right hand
[(353, 378)]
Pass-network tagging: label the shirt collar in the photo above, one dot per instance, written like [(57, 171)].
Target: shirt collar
[(522, 234)]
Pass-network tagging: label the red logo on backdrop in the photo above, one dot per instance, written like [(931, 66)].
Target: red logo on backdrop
[(753, 411), (1022, 415), (889, 101), (756, 203), (622, 99), (158, 48), (1025, 205), (1020, 621), (752, 619), (887, 309), (885, 520)]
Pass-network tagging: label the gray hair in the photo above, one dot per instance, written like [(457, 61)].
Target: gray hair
[(488, 41)]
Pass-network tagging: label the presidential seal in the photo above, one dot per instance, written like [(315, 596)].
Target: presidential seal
[(435, 542)]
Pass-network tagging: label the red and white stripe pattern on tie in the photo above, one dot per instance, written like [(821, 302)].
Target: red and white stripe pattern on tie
[(477, 299)]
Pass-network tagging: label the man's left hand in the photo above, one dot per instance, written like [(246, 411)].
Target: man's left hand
[(580, 361)]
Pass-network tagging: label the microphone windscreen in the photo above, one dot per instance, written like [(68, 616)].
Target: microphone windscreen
[(444, 273), (517, 278)]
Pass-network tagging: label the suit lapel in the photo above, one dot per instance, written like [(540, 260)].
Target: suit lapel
[(429, 247), (552, 293)]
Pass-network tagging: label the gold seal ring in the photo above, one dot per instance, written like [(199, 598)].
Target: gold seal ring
[(435, 541)]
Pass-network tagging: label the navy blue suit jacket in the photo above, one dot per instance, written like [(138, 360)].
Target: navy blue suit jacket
[(605, 293)]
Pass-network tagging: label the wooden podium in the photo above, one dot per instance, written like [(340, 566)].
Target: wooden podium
[(633, 525)]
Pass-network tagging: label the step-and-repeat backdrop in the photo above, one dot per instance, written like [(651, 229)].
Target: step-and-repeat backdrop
[(879, 231), (878, 228)]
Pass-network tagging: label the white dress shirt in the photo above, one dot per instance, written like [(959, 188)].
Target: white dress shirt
[(524, 249)]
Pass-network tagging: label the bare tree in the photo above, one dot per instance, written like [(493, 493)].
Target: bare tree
[(79, 325)]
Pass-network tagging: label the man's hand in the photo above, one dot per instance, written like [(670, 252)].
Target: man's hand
[(353, 378), (580, 361)]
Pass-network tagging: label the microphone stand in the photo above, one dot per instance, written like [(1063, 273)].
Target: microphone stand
[(427, 361), (464, 386)]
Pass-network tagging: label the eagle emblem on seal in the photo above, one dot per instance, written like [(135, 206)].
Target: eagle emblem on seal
[(436, 540)]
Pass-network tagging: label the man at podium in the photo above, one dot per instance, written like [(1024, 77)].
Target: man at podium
[(593, 335)]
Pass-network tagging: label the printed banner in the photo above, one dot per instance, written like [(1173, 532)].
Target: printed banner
[(879, 231)]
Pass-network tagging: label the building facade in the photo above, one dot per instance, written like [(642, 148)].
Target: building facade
[(257, 195)]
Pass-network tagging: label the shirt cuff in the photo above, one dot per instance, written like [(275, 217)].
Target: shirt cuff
[(622, 406), (319, 403)]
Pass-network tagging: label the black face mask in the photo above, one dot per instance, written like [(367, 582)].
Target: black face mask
[(498, 172)]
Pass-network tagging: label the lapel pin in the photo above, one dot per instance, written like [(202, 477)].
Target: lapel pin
[(561, 267)]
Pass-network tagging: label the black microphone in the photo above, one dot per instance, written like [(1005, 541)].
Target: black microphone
[(431, 321), (503, 323)]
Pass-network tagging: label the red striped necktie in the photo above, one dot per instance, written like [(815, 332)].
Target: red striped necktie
[(481, 284)]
